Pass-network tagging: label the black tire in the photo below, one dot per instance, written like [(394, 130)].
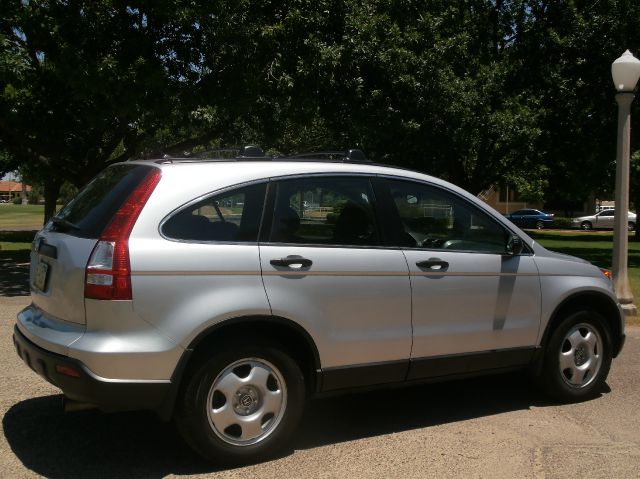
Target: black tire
[(582, 354), (632, 226), (539, 225), (586, 225), (202, 429)]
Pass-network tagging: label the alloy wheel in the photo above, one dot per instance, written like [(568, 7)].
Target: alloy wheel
[(246, 401), (581, 355)]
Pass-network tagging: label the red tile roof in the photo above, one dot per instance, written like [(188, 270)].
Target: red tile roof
[(11, 186)]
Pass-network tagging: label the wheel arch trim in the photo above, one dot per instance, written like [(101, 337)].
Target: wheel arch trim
[(166, 411), (597, 301)]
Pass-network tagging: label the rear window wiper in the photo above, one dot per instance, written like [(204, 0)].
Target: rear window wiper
[(64, 223)]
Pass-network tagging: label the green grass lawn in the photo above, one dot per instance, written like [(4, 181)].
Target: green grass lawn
[(21, 216), (14, 246)]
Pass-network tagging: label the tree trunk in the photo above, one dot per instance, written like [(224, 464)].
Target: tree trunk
[(51, 190)]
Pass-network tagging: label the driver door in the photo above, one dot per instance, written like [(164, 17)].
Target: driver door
[(474, 304)]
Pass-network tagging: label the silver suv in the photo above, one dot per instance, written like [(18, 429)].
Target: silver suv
[(223, 293)]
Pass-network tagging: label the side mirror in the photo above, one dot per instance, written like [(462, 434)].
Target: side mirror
[(515, 246)]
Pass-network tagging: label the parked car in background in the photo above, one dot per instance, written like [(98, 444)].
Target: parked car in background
[(603, 219), (530, 218)]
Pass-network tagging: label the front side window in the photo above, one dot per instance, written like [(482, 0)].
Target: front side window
[(436, 219), (230, 216), (325, 211)]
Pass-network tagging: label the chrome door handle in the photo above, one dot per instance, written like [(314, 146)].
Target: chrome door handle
[(434, 263), (292, 262)]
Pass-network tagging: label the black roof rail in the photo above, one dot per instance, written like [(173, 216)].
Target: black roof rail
[(254, 152), (352, 155), (355, 154), (250, 151), (244, 152)]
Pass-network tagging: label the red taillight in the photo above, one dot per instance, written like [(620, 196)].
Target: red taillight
[(108, 272)]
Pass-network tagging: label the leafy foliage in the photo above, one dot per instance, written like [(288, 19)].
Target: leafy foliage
[(479, 92)]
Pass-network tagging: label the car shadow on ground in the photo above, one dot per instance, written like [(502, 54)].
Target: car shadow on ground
[(14, 273), (136, 444)]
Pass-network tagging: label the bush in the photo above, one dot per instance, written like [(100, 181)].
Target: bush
[(17, 201), (562, 222)]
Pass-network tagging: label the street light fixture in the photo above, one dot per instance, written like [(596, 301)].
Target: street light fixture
[(625, 72)]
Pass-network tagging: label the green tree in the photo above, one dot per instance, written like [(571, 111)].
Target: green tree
[(476, 91), (426, 86), (567, 49), (84, 84)]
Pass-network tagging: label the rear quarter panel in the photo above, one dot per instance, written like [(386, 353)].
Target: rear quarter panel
[(184, 287)]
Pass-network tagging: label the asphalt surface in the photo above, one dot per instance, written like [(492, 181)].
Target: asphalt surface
[(482, 428)]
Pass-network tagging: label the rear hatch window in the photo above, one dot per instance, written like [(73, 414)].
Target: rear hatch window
[(88, 214), (62, 249)]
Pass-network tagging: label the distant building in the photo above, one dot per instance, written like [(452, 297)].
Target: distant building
[(604, 205), (506, 200), (9, 190)]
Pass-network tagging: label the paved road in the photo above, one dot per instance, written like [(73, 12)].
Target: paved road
[(492, 428)]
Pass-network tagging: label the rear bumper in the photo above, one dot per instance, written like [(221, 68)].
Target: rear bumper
[(84, 386)]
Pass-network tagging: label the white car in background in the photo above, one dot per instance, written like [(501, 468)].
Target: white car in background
[(603, 219)]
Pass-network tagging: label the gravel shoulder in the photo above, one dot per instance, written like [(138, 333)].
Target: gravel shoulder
[(481, 428)]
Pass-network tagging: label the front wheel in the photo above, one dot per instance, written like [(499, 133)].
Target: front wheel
[(631, 226), (242, 404), (577, 357)]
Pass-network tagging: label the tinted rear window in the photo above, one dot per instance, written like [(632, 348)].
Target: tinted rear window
[(232, 216), (88, 214)]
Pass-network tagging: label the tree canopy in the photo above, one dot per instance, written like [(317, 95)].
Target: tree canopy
[(479, 92)]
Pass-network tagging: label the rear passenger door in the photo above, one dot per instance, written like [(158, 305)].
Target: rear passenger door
[(324, 267)]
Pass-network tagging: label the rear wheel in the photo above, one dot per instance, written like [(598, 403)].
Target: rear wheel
[(577, 357), (242, 404), (539, 225)]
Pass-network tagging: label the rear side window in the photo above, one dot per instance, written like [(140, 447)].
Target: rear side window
[(88, 214), (230, 216)]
